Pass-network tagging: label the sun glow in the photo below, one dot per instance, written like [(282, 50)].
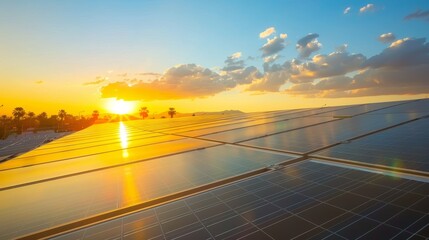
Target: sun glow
[(120, 106)]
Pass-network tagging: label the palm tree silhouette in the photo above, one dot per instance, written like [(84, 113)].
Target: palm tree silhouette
[(30, 120), (42, 116), (62, 115), (31, 115), (95, 115), (144, 112), (172, 112), (18, 113)]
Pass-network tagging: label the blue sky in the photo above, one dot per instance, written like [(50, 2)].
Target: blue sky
[(78, 40)]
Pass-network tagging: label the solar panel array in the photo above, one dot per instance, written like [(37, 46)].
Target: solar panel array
[(336, 172)]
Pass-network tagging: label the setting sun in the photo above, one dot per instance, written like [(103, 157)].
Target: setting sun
[(120, 106)]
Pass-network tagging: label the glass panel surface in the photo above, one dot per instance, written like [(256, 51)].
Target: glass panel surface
[(262, 130), (311, 138), (66, 199), (39, 169), (308, 200), (405, 146)]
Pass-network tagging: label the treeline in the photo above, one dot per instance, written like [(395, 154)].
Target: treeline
[(22, 120)]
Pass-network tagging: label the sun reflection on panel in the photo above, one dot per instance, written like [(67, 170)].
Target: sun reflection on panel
[(123, 134), (131, 193)]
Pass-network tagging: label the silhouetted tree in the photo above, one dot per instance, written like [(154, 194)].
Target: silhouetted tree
[(18, 113), (43, 116), (30, 121), (4, 127), (95, 115), (62, 115), (144, 112), (172, 112)]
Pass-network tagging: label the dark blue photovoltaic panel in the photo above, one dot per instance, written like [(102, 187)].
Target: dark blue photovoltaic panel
[(305, 200), (75, 197), (405, 146), (110, 167), (416, 108), (243, 134), (308, 139), (360, 109)]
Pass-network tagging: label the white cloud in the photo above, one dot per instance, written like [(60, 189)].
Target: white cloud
[(367, 8), (267, 32), (283, 35), (347, 10), (272, 46)]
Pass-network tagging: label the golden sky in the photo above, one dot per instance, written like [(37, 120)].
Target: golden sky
[(80, 55)]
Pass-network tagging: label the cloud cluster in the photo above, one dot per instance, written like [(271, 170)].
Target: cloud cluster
[(182, 81), (274, 45), (401, 53), (419, 14), (307, 45), (298, 72), (401, 68), (367, 8), (233, 62)]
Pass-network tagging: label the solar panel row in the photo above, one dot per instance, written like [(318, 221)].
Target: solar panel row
[(112, 166), (308, 200)]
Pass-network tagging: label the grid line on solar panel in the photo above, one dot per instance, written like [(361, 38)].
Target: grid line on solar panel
[(208, 163), (362, 212), (251, 130), (244, 119), (309, 139), (337, 111), (78, 142), (245, 123), (403, 148), (363, 111), (55, 157), (42, 176), (41, 151)]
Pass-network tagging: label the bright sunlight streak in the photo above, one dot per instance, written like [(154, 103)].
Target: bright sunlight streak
[(120, 106)]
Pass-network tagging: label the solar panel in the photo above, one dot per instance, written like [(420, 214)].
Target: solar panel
[(246, 133), (308, 200), (404, 146), (73, 197), (310, 139), (303, 173)]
